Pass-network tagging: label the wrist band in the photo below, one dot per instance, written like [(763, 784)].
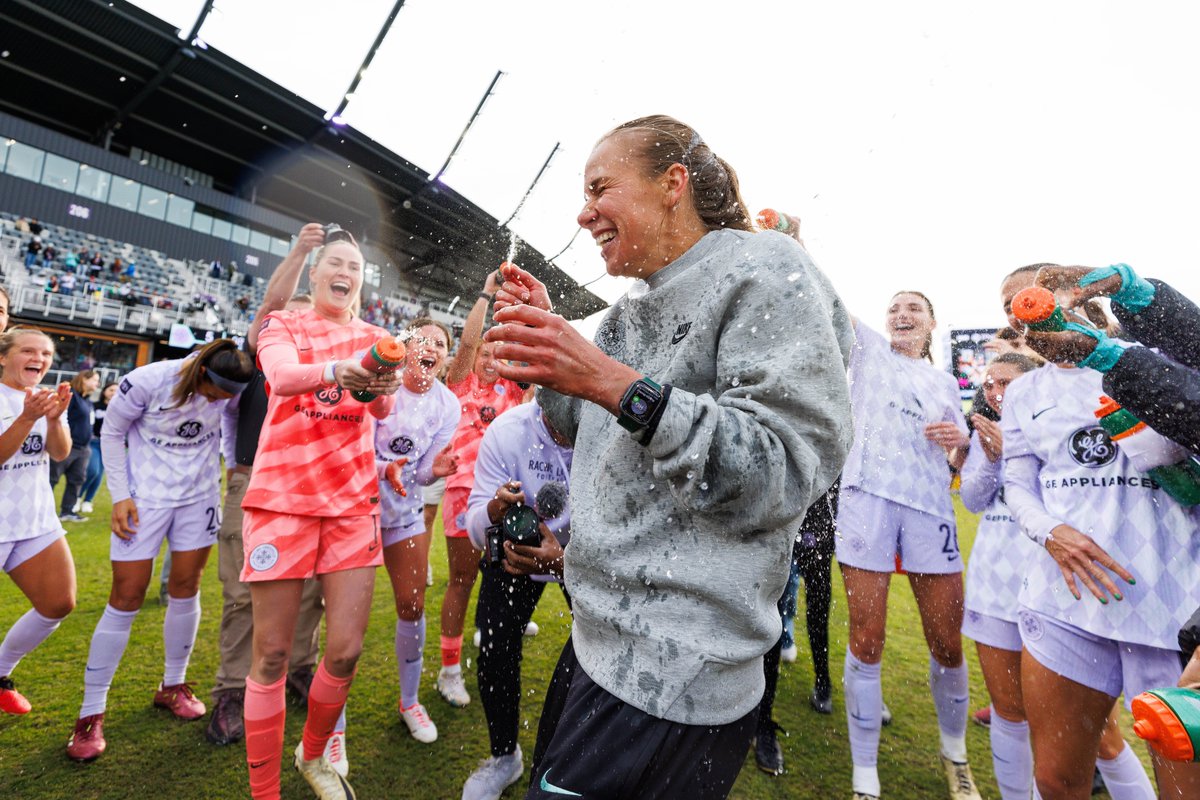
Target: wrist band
[(1135, 293), (1106, 354), (329, 376), (486, 296)]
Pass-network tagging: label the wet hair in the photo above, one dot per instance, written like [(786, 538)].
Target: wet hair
[(927, 346), (712, 182), (80, 377), (9, 338), (420, 322), (340, 235), (221, 356), (1028, 268)]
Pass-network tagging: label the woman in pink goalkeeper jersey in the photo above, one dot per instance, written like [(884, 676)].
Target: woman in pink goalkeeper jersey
[(312, 509), (412, 451), (161, 442), (483, 396), (33, 429), (895, 510), (1099, 617)]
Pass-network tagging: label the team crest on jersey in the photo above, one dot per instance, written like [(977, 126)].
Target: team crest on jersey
[(125, 386), (190, 429), (263, 557), (1091, 447), (32, 445), (330, 395), (487, 414), (401, 445), (1031, 627)]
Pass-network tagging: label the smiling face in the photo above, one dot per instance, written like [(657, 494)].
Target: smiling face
[(996, 382), (625, 209), (336, 279), (485, 363), (909, 323), (108, 393), (27, 360), (427, 350), (3, 311)]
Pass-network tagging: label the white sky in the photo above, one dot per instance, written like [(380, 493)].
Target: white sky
[(926, 145)]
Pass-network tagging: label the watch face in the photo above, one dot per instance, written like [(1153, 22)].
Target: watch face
[(638, 405)]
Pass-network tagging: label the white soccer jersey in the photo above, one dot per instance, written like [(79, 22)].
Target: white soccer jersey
[(173, 452), (894, 398), (518, 446), (1002, 553), (26, 499), (1088, 483), (418, 428)]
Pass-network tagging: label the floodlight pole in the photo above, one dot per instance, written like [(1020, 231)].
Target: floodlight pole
[(454, 150), (362, 70)]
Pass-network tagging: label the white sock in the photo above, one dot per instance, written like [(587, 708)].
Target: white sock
[(410, 644), (180, 624), (950, 695), (25, 634), (104, 656), (453, 669), (864, 708), (1012, 758), (1125, 777), (340, 725)]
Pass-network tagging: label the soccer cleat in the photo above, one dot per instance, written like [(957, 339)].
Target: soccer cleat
[(821, 699), (958, 777), (75, 509), (322, 777), (71, 518), (180, 700), (85, 508), (335, 753), (983, 717), (226, 725), (87, 741), (452, 689), (12, 701), (531, 628), (298, 681), (768, 753), (788, 654), (864, 796), (493, 776), (885, 716), (419, 724)]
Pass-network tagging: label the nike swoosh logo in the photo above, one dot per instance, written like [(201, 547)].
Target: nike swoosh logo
[(1043, 411), (259, 764), (93, 669), (412, 660), (547, 786)]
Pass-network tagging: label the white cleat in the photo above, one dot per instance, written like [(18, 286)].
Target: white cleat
[(451, 687), (322, 777), (335, 753), (958, 776), (493, 776), (419, 724)]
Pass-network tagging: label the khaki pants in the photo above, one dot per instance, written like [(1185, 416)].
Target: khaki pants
[(237, 621)]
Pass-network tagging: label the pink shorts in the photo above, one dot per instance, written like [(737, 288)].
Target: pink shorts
[(454, 513), (190, 527), (282, 546), (1104, 665), (880, 535), (14, 554)]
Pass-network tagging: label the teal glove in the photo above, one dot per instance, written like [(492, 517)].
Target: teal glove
[(1136, 293)]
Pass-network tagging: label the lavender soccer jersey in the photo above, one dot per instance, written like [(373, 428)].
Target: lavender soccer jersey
[(25, 478), (172, 458), (1002, 553), (418, 428), (894, 398), (1088, 483)]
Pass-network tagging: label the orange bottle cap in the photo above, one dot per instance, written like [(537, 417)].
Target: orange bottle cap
[(391, 348), (1033, 304), (1155, 722), (767, 219)]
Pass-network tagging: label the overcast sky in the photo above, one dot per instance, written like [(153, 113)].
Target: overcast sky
[(926, 145)]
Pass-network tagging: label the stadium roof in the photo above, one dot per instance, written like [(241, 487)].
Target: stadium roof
[(114, 75)]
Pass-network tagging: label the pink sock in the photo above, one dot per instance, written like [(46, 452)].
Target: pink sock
[(326, 697), (451, 650), (264, 712)]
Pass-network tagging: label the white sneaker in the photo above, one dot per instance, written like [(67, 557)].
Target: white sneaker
[(531, 628), (788, 654), (419, 724), (958, 776), (335, 753), (477, 638), (493, 776), (451, 687), (78, 505), (86, 508), (322, 777)]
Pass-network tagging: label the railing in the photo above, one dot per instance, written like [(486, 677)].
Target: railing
[(57, 376)]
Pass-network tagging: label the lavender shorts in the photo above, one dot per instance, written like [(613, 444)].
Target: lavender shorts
[(14, 554), (190, 527), (873, 531), (992, 631)]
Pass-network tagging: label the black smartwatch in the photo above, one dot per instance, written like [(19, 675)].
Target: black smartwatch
[(641, 405)]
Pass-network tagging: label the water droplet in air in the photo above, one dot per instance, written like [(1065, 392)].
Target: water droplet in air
[(735, 381), (795, 276)]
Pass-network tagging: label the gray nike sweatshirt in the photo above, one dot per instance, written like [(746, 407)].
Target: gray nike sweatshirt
[(680, 549)]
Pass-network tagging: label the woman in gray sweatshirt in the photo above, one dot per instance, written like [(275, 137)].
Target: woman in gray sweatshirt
[(711, 411)]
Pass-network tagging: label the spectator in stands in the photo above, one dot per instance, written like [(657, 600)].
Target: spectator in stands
[(52, 284), (35, 227), (66, 284), (49, 253), (32, 250), (233, 271), (71, 262), (125, 294), (95, 264), (215, 270), (22, 225), (130, 271), (80, 419), (114, 269)]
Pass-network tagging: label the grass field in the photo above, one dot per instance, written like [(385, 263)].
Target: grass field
[(151, 754)]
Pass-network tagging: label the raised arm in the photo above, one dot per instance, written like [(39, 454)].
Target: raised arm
[(284, 280), (472, 337)]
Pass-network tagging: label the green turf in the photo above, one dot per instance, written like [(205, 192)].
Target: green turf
[(152, 755)]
